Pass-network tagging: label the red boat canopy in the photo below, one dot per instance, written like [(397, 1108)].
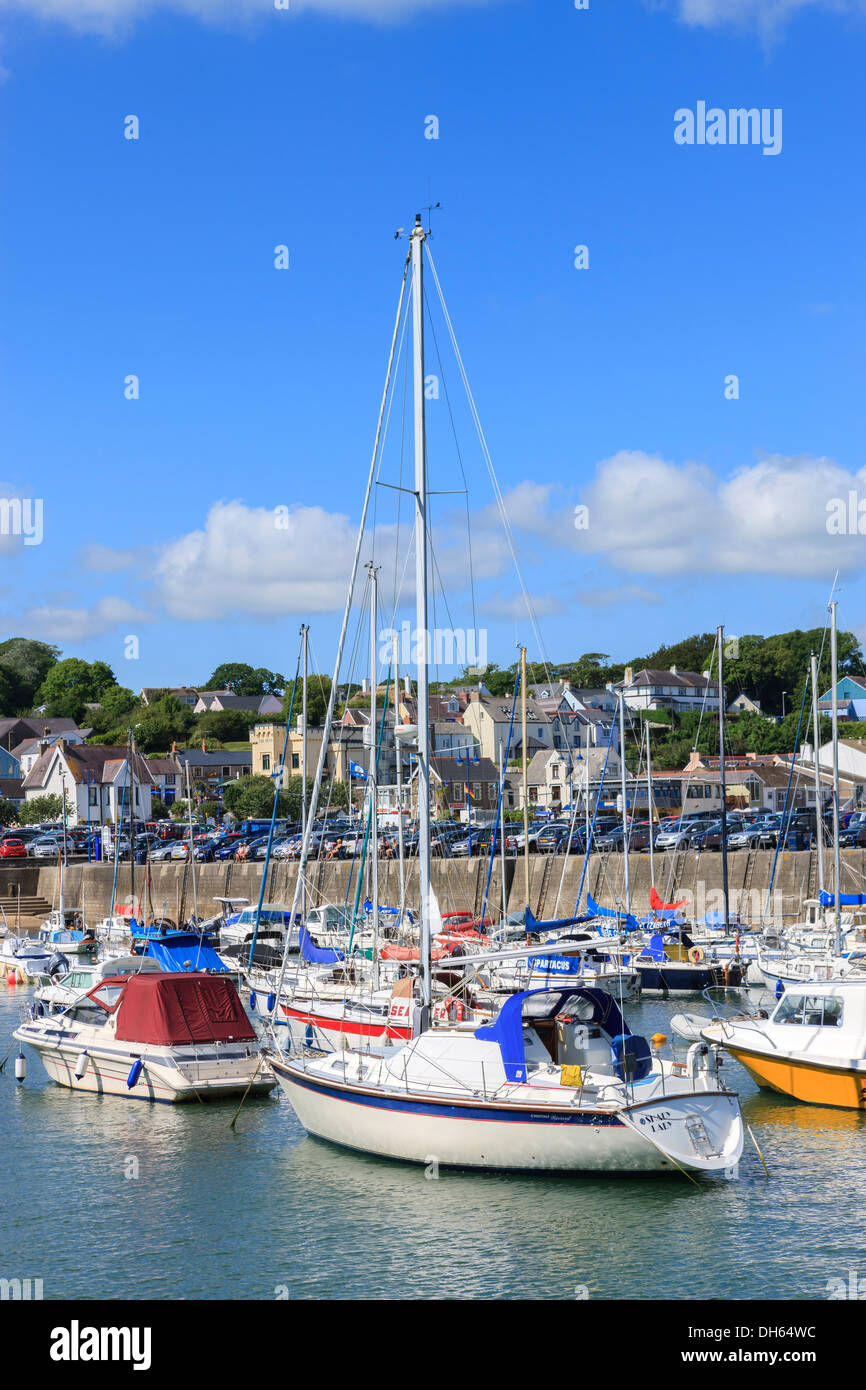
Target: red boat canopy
[(171, 1009), (658, 906)]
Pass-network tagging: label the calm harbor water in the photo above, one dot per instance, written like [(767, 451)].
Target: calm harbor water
[(266, 1212)]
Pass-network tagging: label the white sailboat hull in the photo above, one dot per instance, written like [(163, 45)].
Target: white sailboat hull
[(477, 1134)]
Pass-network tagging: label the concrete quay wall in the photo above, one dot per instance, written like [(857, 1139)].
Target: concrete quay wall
[(458, 884)]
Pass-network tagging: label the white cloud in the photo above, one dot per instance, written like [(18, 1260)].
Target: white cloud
[(764, 15), (514, 606), (66, 625), (116, 16), (243, 561), (616, 596), (107, 561), (654, 517)]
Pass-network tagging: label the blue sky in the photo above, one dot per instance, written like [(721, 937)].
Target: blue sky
[(259, 388)]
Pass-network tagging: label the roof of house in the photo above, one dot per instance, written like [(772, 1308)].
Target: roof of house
[(88, 762), (241, 702), (500, 709), (449, 770), (38, 725), (683, 679), (537, 770), (11, 788)]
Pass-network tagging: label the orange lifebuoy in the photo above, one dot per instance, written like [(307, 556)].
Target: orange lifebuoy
[(696, 954)]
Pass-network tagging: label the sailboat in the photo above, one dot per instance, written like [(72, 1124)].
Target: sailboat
[(557, 1079)]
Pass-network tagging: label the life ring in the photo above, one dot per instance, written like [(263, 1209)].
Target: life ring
[(696, 954)]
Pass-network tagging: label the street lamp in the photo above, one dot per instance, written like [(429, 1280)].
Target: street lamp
[(784, 693)]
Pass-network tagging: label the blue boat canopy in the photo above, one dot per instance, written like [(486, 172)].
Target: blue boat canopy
[(596, 911), (507, 1028), (185, 953), (533, 924), (845, 899), (317, 955)]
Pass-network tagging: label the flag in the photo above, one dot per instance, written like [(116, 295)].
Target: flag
[(355, 770)]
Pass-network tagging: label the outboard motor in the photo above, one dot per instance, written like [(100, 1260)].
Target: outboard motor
[(58, 965)]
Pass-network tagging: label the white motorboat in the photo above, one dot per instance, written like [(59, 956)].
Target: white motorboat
[(22, 959), (158, 1037), (56, 990)]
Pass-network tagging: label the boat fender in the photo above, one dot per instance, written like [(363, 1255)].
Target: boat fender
[(81, 1064), (134, 1072), (696, 954), (271, 1001), (20, 1067), (457, 1011), (780, 988), (252, 1002)]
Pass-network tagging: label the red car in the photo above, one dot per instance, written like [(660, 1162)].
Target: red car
[(13, 849)]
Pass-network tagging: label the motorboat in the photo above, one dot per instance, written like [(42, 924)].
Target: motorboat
[(22, 959), (59, 987), (811, 1047), (153, 1036), (65, 930)]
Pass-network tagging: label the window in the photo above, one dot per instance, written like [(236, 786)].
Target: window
[(93, 795), (296, 760), (476, 790), (810, 1010), (266, 762)]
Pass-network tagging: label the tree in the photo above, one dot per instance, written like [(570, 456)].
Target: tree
[(242, 679), (25, 664), (226, 725), (47, 807), (8, 812), (252, 798), (163, 722), (318, 694), (158, 809), (117, 705), (71, 684)]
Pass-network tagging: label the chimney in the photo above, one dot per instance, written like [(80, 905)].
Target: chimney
[(474, 695), (628, 677), (673, 670), (204, 745)]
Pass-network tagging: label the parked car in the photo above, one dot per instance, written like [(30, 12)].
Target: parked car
[(13, 849), (46, 847)]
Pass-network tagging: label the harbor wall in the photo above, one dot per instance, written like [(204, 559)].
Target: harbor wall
[(459, 884)]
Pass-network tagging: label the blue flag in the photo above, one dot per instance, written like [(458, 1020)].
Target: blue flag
[(355, 770)]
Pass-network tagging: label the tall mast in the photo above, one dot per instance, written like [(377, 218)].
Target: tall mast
[(191, 855), (837, 865), (395, 657), (525, 777), (130, 751), (372, 784), (649, 802), (720, 635), (422, 639), (502, 825), (624, 794), (304, 636), (819, 819)]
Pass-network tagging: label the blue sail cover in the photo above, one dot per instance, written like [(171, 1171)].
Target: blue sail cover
[(184, 954), (317, 955), (533, 924), (600, 911), (845, 899)]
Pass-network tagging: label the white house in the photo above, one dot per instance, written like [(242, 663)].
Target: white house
[(95, 780)]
